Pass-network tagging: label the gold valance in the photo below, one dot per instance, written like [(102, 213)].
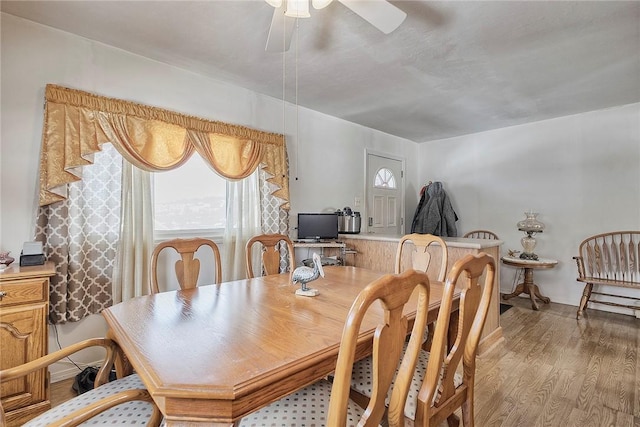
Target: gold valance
[(76, 123)]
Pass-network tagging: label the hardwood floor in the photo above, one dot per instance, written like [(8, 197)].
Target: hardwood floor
[(552, 370), (61, 392), (556, 371)]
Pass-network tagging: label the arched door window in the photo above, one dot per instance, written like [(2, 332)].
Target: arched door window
[(384, 179)]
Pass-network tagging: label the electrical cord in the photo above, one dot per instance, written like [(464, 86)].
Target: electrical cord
[(55, 330)]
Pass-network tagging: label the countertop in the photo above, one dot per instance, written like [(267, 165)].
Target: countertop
[(455, 242)]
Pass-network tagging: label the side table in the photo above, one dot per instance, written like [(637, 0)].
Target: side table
[(528, 287)]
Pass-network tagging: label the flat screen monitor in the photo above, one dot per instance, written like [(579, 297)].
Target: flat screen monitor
[(317, 226)]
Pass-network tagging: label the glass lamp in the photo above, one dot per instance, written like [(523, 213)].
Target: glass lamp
[(530, 225)]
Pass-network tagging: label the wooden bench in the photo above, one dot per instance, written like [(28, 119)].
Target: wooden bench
[(609, 259)]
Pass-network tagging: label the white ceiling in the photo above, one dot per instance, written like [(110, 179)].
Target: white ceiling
[(452, 68)]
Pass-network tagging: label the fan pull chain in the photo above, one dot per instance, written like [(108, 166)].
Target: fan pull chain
[(297, 115), (284, 82)]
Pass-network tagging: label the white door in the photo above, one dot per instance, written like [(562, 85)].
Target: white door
[(385, 197)]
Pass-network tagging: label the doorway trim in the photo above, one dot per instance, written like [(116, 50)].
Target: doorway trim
[(402, 160)]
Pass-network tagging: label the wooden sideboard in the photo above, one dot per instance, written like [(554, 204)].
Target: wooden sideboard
[(24, 307), (379, 253)]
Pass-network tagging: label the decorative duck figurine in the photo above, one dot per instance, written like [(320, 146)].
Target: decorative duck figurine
[(303, 275)]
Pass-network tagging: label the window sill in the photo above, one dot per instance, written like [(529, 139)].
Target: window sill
[(214, 234)]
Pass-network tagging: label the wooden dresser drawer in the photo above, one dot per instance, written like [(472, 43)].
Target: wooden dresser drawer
[(23, 291), (24, 307)]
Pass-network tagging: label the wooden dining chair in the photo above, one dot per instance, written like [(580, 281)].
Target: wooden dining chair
[(122, 402), (421, 260), (187, 268), (270, 255), (482, 234), (445, 376), (311, 403), (420, 255), (490, 235)]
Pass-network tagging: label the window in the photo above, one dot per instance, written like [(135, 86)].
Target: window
[(384, 179), (189, 201)]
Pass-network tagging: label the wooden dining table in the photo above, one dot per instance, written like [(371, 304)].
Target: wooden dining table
[(216, 353)]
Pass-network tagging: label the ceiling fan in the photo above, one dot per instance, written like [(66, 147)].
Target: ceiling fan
[(379, 13)]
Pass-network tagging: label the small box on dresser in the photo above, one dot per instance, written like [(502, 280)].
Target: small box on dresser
[(24, 307)]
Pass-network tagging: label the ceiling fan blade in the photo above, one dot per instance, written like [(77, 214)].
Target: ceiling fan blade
[(380, 13), (280, 32)]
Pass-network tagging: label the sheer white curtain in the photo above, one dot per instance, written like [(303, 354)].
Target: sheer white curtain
[(243, 222), (131, 273)]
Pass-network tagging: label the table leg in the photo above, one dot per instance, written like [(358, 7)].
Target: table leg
[(537, 293), (529, 288), (519, 290), (121, 363)]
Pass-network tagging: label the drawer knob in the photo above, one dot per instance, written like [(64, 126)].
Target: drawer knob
[(2, 295)]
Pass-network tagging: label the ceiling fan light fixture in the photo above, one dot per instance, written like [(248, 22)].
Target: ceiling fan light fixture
[(274, 3), (297, 9), (320, 4)]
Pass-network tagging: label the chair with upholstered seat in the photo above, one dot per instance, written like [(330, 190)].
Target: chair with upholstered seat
[(122, 402), (420, 256), (270, 255), (393, 292), (481, 234), (437, 389), (187, 268), (420, 259)]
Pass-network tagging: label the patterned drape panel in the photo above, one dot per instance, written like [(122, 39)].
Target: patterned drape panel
[(80, 236), (275, 219), (77, 123)]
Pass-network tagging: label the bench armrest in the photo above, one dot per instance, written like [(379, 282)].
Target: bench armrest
[(580, 264)]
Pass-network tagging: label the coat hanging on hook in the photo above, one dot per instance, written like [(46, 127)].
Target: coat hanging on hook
[(423, 189), (434, 214)]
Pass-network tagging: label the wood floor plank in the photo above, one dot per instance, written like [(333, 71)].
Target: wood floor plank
[(624, 419), (555, 412), (576, 418), (569, 385), (61, 391), (636, 387), (494, 413)]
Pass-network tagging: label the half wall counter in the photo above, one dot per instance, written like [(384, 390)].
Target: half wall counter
[(378, 252)]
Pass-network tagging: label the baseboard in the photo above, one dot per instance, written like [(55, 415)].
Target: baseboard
[(64, 373)]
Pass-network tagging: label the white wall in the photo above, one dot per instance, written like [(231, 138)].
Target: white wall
[(330, 162), (581, 173), (327, 173)]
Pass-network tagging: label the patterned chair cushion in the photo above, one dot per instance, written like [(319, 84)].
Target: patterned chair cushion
[(361, 381), (305, 408), (126, 414)]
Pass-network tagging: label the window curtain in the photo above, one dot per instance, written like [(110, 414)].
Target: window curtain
[(251, 209), (80, 235), (131, 271), (79, 124), (274, 219), (243, 222)]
